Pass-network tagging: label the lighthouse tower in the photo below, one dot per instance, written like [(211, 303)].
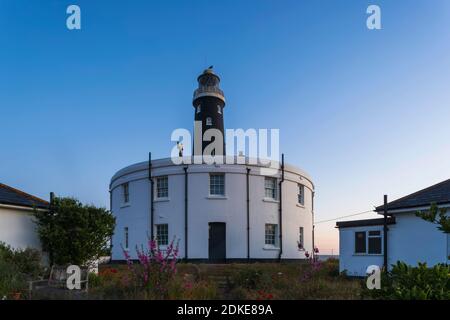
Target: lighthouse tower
[(209, 102)]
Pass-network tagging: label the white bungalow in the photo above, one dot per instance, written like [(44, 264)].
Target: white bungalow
[(410, 238), (17, 228)]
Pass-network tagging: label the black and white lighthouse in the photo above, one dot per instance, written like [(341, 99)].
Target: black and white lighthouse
[(209, 102)]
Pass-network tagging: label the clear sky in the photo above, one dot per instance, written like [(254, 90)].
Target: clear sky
[(364, 112)]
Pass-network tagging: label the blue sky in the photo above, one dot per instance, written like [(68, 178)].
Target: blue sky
[(364, 112)]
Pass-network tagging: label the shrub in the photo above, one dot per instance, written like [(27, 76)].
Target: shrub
[(26, 261), (11, 280), (74, 233), (405, 282)]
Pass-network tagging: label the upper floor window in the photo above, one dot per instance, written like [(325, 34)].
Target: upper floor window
[(301, 194), (208, 121), (199, 108), (217, 184), (369, 242), (126, 192), (162, 234), (162, 187), (219, 109), (270, 186), (271, 233)]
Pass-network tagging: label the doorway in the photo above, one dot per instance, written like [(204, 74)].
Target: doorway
[(217, 242)]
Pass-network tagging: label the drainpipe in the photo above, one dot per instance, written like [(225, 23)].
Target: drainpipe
[(185, 213), (152, 209), (385, 231), (248, 214), (281, 207)]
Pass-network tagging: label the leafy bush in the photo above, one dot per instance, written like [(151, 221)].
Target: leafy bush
[(73, 233), (11, 280), (25, 261), (405, 282)]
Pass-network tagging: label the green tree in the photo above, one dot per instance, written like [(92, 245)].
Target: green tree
[(74, 233), (436, 216)]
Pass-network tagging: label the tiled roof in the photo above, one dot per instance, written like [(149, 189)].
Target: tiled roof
[(11, 196), (364, 223), (438, 193)]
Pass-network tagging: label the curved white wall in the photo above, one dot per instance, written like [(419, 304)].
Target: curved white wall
[(202, 209)]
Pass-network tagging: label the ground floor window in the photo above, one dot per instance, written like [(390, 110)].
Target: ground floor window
[(360, 242), (162, 234), (271, 234), (125, 231), (368, 242), (301, 244), (374, 241)]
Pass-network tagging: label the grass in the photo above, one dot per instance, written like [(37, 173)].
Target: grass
[(260, 281)]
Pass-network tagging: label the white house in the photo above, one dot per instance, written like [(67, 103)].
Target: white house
[(17, 228), (410, 238), (218, 212)]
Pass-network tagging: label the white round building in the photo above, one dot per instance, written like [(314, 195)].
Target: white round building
[(218, 212)]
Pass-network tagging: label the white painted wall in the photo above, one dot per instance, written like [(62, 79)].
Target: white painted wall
[(17, 228), (356, 264), (203, 209), (411, 240)]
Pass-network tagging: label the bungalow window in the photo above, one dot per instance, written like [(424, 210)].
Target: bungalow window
[(369, 242), (162, 234), (271, 234), (270, 186), (374, 241), (126, 192), (162, 187), (360, 242)]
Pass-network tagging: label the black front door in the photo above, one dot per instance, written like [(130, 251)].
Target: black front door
[(217, 241)]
